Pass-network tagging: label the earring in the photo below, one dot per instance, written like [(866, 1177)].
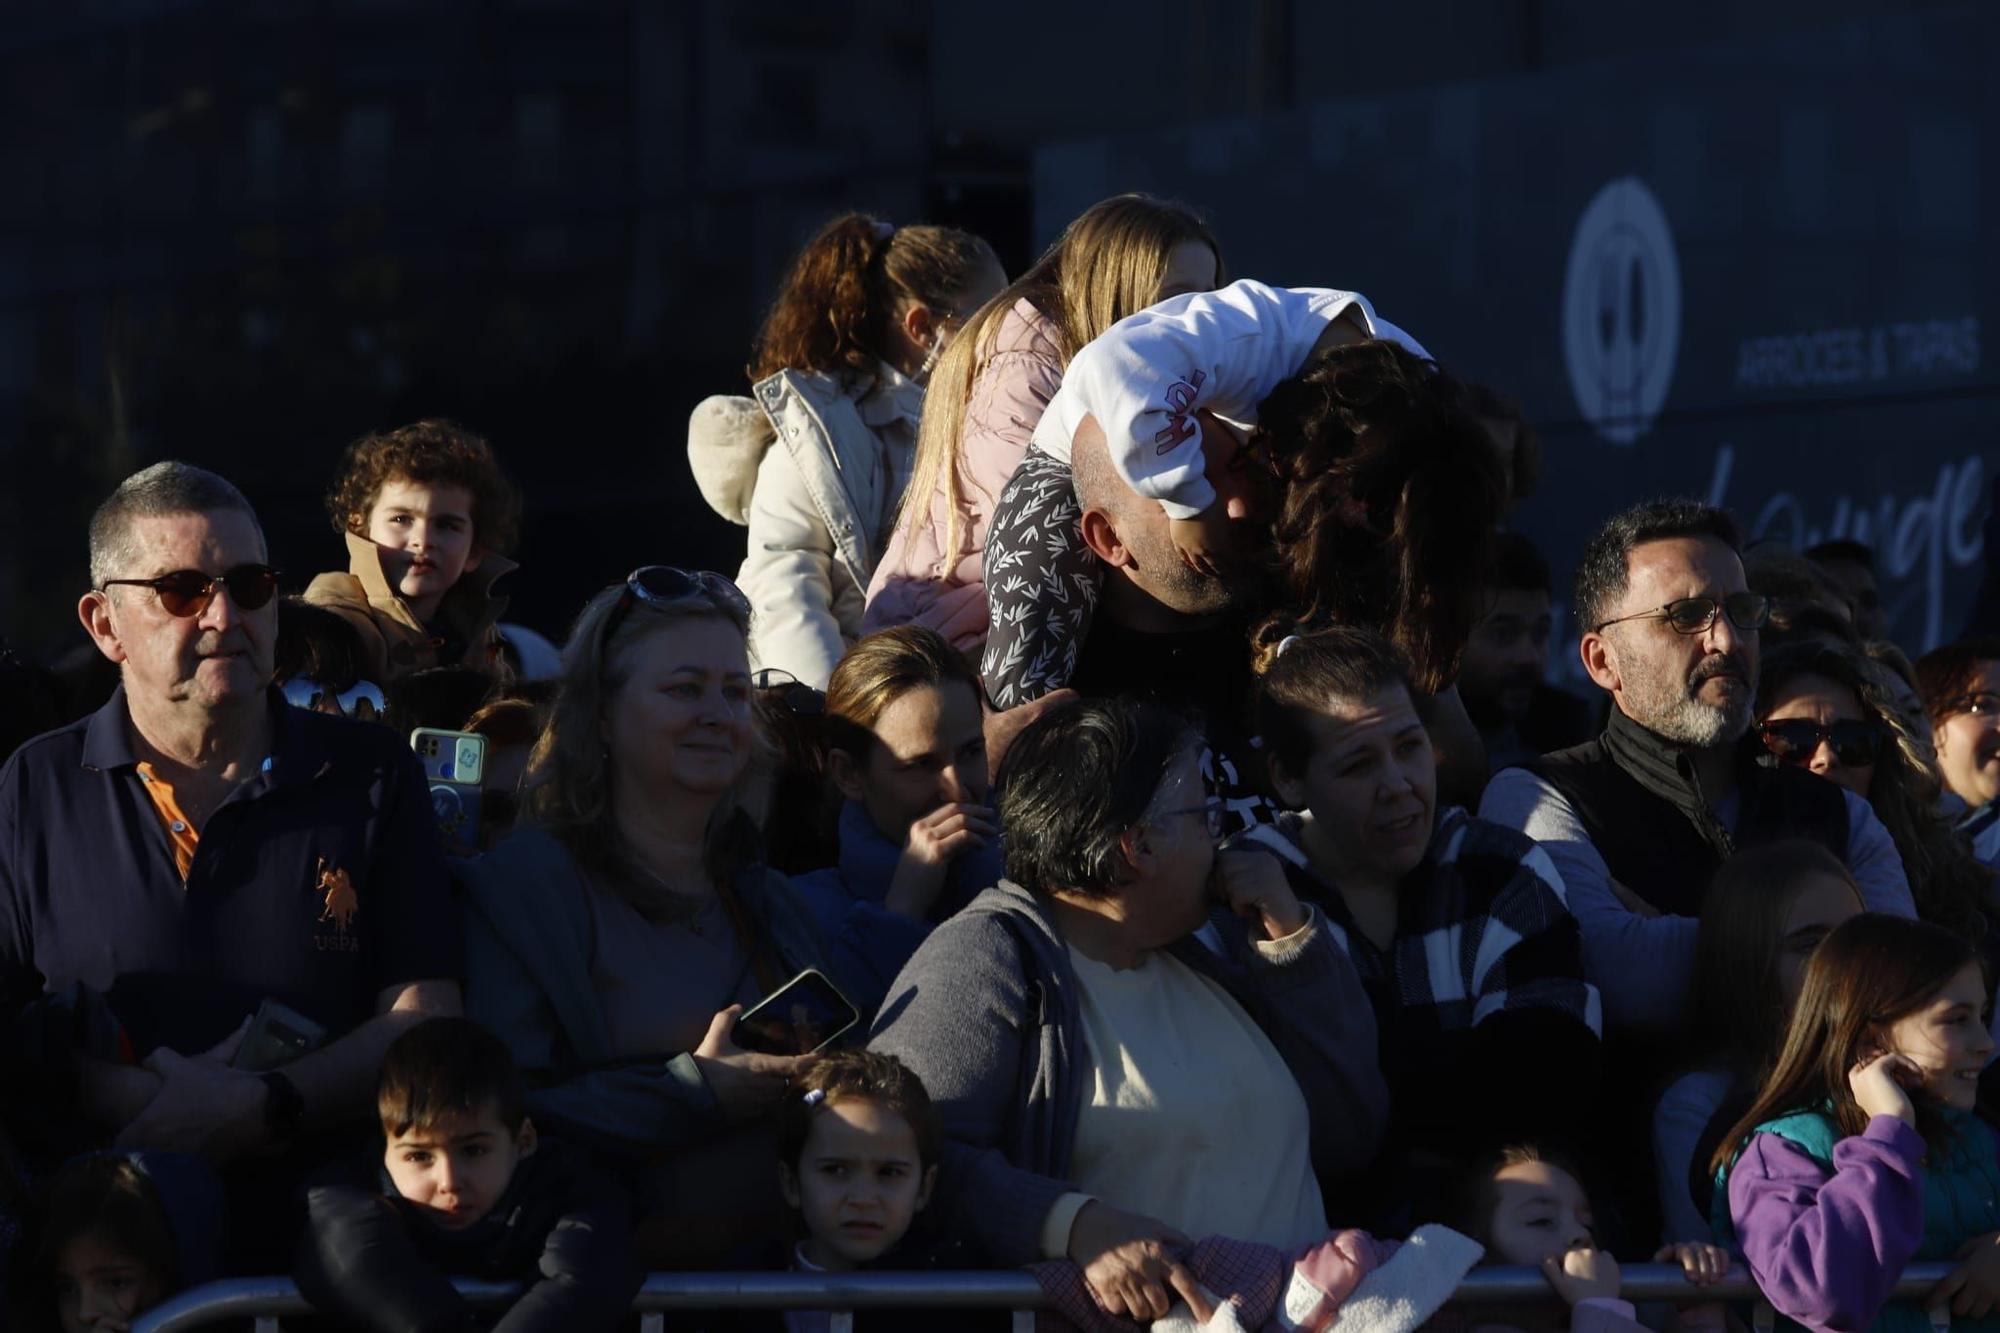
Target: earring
[(931, 355)]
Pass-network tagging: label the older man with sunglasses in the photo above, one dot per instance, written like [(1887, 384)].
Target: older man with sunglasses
[(1639, 819), (197, 849)]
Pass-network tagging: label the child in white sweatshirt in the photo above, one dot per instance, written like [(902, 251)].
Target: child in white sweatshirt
[(1144, 380)]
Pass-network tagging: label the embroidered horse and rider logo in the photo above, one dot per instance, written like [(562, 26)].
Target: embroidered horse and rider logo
[(339, 903)]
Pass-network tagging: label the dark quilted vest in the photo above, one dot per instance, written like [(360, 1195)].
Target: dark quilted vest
[(1655, 850)]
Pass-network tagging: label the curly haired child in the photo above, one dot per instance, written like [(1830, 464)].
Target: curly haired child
[(427, 514)]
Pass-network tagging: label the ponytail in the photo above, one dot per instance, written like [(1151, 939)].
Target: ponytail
[(832, 314), (1303, 667)]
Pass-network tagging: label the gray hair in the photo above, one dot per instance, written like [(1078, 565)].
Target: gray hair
[(155, 492)]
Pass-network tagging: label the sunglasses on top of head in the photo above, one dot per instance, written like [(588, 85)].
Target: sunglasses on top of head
[(1794, 740), (665, 585), (187, 592)]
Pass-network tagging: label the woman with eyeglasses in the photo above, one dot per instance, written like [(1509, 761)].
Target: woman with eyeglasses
[(614, 937), (1832, 711), (1960, 683), (815, 461), (1471, 960), (917, 837), (1110, 1084)]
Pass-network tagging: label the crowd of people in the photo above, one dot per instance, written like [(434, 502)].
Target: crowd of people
[(1127, 754)]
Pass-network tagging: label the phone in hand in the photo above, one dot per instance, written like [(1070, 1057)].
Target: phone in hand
[(798, 1018), (278, 1035), (455, 763)]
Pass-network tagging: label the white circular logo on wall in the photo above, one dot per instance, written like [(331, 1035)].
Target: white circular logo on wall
[(1622, 310)]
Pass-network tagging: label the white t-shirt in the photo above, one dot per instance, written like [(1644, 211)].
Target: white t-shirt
[(1222, 351), (1192, 1117)]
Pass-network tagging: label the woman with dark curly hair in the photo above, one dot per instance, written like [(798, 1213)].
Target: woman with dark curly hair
[(1831, 710)]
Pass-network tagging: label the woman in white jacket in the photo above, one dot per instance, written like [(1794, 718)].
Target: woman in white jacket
[(815, 461)]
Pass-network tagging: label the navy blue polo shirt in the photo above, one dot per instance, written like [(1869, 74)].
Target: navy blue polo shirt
[(318, 882)]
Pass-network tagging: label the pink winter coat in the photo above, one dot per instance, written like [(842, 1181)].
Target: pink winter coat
[(914, 581)]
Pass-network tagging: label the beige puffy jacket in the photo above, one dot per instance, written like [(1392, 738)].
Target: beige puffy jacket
[(818, 506)]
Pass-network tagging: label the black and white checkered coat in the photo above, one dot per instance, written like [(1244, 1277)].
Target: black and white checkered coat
[(1482, 929)]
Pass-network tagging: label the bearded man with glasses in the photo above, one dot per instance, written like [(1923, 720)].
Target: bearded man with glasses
[(1639, 819), (197, 851)]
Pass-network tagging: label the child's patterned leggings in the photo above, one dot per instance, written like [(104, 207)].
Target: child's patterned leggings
[(1041, 584)]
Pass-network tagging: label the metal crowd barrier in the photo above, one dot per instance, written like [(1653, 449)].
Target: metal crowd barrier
[(269, 1300)]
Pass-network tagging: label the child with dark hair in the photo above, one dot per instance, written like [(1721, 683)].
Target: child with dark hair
[(113, 1236), (428, 515), (815, 461), (858, 1150), (1528, 1207), (465, 1188), (858, 1146)]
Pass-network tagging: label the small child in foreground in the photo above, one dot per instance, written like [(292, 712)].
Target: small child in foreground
[(105, 1246), (858, 1146), (1529, 1209), (428, 515), (465, 1188), (1863, 1152)]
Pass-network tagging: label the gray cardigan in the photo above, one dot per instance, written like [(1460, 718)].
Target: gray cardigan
[(527, 977), (988, 1014)]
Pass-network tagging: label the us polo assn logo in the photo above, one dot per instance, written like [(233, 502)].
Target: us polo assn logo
[(338, 904)]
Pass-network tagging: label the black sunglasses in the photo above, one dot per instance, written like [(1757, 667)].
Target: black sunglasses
[(362, 700), (1794, 740), (187, 592), (1693, 615), (664, 585)]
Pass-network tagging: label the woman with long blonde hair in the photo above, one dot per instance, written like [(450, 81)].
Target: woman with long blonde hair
[(989, 388), (612, 940)]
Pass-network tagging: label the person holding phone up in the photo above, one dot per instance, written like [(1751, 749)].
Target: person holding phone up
[(917, 835), (614, 938)]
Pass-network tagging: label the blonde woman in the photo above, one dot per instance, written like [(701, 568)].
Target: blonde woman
[(612, 939), (814, 462), (989, 389)]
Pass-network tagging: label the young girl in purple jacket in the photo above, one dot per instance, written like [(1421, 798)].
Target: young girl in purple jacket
[(1862, 1154)]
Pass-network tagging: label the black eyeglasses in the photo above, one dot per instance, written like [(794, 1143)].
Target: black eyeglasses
[(1693, 615), (664, 585), (1211, 810), (1794, 740), (187, 592)]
